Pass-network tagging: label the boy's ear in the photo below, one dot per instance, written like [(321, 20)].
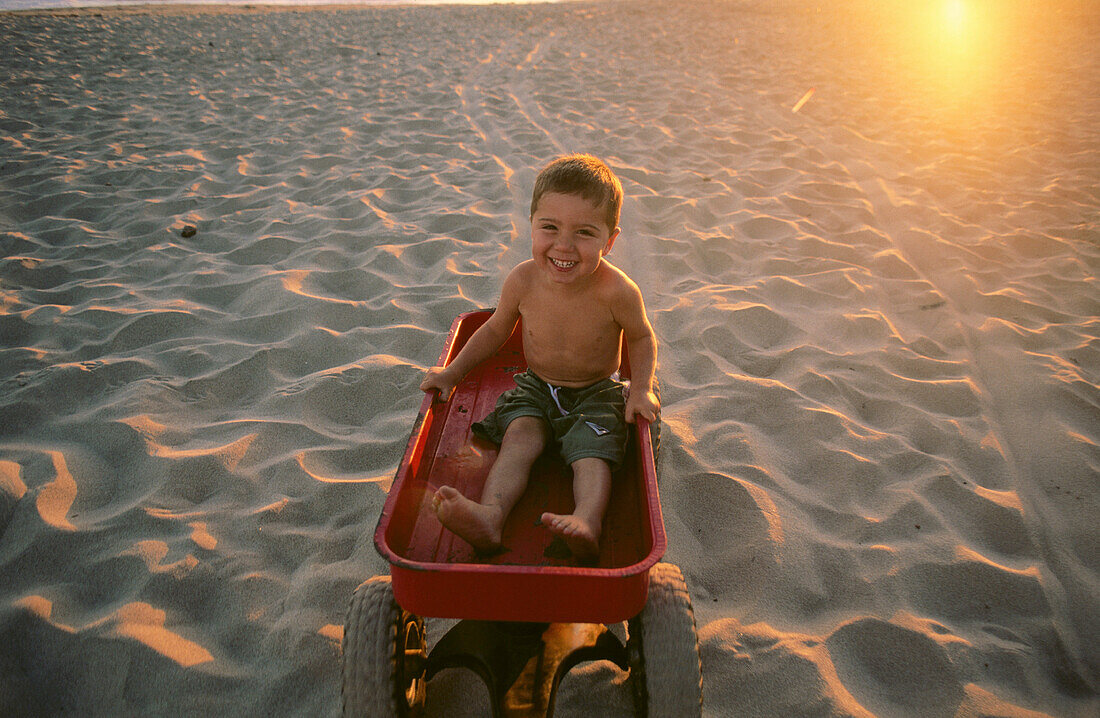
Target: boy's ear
[(611, 240)]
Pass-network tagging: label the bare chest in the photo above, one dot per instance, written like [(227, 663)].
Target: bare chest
[(570, 340)]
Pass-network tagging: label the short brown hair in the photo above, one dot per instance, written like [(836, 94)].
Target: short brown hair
[(586, 176)]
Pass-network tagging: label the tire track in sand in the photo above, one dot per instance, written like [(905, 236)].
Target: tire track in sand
[(496, 100), (1046, 471)]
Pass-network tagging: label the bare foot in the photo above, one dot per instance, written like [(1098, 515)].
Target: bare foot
[(479, 525), (581, 538)]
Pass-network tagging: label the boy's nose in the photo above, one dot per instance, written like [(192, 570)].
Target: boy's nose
[(563, 241)]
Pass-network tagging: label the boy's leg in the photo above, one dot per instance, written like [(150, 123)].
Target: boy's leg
[(591, 492), (481, 523)]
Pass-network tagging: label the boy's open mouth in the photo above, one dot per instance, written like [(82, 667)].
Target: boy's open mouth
[(562, 264)]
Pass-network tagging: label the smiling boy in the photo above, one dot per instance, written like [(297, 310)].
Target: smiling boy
[(577, 311)]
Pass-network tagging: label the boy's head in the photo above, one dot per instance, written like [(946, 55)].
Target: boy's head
[(586, 176)]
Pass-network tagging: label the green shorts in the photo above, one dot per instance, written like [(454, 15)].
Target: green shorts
[(584, 423)]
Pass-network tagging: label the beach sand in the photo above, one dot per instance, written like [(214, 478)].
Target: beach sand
[(877, 316)]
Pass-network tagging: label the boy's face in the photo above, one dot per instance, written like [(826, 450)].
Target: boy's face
[(569, 237)]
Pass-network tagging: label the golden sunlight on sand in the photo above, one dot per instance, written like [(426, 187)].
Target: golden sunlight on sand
[(145, 624), (56, 497), (10, 480)]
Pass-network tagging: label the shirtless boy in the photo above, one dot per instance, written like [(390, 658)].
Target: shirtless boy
[(577, 309)]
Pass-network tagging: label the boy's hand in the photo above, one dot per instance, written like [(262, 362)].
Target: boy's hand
[(438, 379), (642, 403)]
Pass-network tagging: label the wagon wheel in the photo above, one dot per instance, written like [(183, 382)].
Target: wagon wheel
[(384, 654), (664, 649)]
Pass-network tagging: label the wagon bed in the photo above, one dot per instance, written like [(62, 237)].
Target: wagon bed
[(437, 574)]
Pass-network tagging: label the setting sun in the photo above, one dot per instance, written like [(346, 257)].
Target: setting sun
[(954, 13), (956, 55)]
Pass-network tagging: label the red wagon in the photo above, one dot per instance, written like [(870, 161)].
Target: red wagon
[(515, 605)]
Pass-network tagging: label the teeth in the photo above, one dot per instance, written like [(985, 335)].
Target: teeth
[(561, 264)]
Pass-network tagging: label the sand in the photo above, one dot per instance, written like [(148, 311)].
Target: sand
[(877, 316)]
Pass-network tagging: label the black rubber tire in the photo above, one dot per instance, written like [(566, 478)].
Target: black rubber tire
[(665, 648), (383, 673)]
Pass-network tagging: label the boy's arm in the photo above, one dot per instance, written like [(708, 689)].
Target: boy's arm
[(641, 344), (481, 345)]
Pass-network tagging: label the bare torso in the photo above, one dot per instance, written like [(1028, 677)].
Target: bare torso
[(570, 337)]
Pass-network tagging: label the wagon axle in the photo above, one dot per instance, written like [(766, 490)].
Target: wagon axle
[(522, 664)]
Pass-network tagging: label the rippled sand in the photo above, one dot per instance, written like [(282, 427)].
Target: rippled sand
[(878, 321)]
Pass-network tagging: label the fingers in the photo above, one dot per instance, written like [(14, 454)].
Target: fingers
[(433, 382), (441, 395), (646, 406)]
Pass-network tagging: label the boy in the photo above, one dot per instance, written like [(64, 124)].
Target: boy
[(576, 309)]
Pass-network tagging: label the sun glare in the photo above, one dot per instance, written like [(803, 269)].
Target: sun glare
[(954, 12), (954, 50), (954, 39)]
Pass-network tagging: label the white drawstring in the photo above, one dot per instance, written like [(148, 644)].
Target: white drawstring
[(554, 395), (599, 430)]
